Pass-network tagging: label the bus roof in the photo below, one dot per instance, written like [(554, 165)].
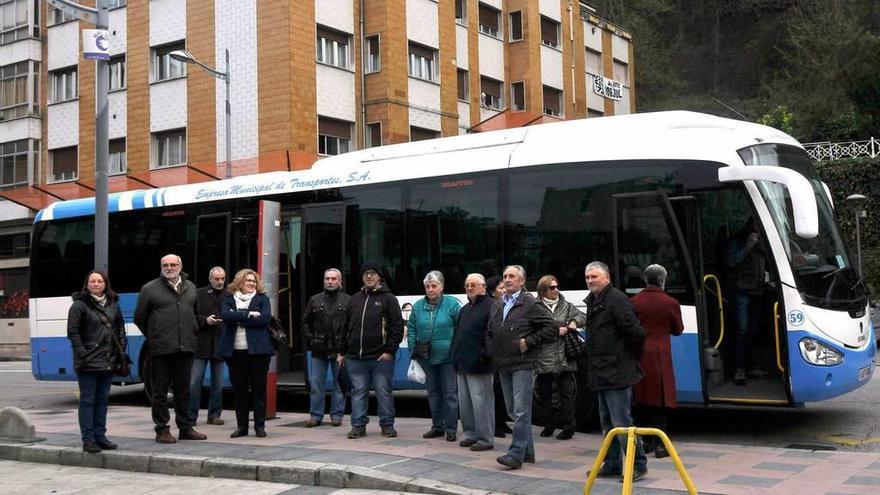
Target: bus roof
[(676, 135)]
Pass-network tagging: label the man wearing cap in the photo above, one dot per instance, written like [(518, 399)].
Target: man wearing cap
[(367, 346)]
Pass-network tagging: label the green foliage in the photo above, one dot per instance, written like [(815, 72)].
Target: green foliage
[(780, 118)]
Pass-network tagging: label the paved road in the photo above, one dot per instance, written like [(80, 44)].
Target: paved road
[(848, 423), (33, 479)]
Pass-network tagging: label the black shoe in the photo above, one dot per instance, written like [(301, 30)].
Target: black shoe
[(503, 428), (499, 434), (660, 452), (480, 447), (106, 444), (467, 442), (739, 377), (649, 444), (390, 432), (260, 432), (509, 461), (529, 458), (451, 436), (637, 475), (357, 432), (547, 431), (91, 448), (433, 433), (607, 473), (565, 434), (239, 432)]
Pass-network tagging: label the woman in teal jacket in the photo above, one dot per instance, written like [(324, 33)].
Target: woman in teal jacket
[(430, 328)]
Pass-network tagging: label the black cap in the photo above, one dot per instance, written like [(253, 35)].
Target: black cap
[(371, 265)]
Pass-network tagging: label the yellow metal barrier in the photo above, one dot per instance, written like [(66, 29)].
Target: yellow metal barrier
[(720, 306), (630, 459)]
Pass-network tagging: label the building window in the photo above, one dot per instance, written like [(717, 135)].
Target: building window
[(422, 62), (117, 73), (591, 113), (516, 26), (168, 148), (115, 4), (14, 163), (14, 89), (420, 134), (518, 96), (594, 62), (57, 16), (461, 11), (549, 32), (64, 84), (374, 134), (490, 93), (332, 48), (165, 67), (334, 136), (16, 20), (621, 72), (372, 58), (463, 85), (118, 164), (489, 20), (552, 101), (63, 162)]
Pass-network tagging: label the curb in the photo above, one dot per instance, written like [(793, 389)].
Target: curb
[(290, 472)]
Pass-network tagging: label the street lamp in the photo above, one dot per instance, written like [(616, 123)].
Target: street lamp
[(187, 58), (858, 200)]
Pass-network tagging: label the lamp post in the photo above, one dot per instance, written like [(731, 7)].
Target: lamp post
[(187, 58), (858, 200)]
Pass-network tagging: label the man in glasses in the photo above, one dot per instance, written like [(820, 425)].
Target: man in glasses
[(165, 314)]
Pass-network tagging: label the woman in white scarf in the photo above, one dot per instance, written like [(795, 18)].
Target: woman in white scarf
[(247, 347)]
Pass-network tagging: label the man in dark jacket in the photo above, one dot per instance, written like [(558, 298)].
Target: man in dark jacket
[(165, 314), (615, 342), (322, 320), (518, 325), (476, 401), (207, 351), (368, 346)]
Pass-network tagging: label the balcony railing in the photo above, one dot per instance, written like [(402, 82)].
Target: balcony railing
[(827, 151)]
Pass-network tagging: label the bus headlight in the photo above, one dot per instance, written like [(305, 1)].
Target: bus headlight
[(815, 352)]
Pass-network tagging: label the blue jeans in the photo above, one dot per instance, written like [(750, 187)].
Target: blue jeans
[(363, 374), (476, 403), (215, 399), (94, 398), (614, 412), (747, 313), (318, 385), (518, 387), (442, 396)]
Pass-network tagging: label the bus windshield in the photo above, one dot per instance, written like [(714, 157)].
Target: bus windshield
[(822, 268)]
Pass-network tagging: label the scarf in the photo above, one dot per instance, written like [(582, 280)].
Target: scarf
[(550, 303), (102, 301), (242, 302)]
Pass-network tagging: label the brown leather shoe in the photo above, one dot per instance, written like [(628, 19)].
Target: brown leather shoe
[(191, 434), (165, 437), (336, 422)]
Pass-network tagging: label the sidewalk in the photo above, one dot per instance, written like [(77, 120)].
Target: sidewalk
[(324, 456)]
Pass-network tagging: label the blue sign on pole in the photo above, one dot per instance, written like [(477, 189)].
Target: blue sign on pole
[(96, 44)]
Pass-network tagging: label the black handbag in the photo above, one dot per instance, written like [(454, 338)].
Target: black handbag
[(575, 345), (422, 349), (277, 333), (123, 363)]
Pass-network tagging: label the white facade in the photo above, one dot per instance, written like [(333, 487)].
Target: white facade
[(335, 93), (168, 105), (118, 108), (421, 22), (464, 117), (16, 129), (63, 45), (118, 32), (167, 21), (424, 100), (551, 67), (620, 48), (592, 36), (63, 128), (491, 57), (235, 28), (336, 14), (20, 50), (550, 8), (461, 46)]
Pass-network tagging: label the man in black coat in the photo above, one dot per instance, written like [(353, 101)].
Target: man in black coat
[(208, 347), (368, 346), (322, 320), (615, 342), (518, 325), (165, 314)]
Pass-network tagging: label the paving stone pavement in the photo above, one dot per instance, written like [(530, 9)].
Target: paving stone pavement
[(560, 467)]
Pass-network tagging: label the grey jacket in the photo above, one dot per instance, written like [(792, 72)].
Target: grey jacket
[(167, 318), (551, 357)]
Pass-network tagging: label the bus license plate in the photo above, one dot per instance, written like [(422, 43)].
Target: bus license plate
[(864, 373)]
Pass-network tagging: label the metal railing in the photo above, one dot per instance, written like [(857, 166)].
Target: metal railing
[(827, 151)]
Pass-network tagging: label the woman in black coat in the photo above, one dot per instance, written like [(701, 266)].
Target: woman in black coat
[(93, 321), (247, 348)]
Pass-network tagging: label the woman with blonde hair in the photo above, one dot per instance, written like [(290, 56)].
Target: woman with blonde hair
[(247, 348)]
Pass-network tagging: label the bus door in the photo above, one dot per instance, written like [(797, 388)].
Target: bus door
[(323, 242), (212, 246), (647, 231)]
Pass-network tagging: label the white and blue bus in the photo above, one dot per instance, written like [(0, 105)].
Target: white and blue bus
[(668, 188)]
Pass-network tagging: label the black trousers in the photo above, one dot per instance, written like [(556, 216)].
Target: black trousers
[(166, 369), (651, 417), (248, 375), (561, 410)]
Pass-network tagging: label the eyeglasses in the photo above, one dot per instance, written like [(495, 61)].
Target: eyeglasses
[(170, 265), (250, 280), (553, 287), (473, 286)]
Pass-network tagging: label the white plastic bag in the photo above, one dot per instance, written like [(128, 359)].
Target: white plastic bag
[(415, 373)]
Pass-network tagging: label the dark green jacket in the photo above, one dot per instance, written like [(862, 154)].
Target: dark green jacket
[(167, 318)]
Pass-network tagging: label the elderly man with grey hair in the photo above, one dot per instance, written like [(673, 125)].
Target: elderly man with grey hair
[(615, 343), (518, 326), (430, 330), (207, 352)]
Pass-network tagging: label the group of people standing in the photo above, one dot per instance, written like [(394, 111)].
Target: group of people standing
[(515, 335)]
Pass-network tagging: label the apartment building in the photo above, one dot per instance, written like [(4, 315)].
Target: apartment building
[(308, 78)]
